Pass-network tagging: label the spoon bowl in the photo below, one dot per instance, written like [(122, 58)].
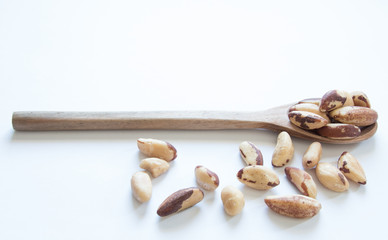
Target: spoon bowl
[(275, 119)]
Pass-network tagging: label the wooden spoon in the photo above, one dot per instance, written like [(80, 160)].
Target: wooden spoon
[(274, 119)]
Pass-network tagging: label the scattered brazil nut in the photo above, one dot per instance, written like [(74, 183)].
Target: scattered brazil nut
[(307, 120), (141, 186), (258, 177), (206, 179), (296, 206), (333, 99), (284, 150), (157, 148), (250, 153), (339, 131), (233, 200), (360, 99), (302, 181), (351, 168), (155, 166), (359, 116), (312, 155), (179, 201), (331, 177)]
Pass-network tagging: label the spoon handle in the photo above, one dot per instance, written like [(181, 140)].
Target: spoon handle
[(46, 121)]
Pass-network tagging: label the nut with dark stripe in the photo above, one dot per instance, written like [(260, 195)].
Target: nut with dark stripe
[(331, 177), (359, 116), (296, 206), (157, 148), (250, 153), (307, 120), (333, 99), (351, 168), (180, 200), (206, 179), (339, 131), (302, 181), (258, 177)]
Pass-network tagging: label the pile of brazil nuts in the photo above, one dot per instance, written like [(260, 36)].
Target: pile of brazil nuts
[(302, 205), (337, 115), (254, 175)]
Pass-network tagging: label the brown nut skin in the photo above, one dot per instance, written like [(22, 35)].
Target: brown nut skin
[(179, 201), (157, 148), (359, 116), (302, 181), (258, 177), (296, 206), (250, 153), (351, 168), (284, 150), (331, 177), (333, 99), (312, 155), (308, 107), (233, 200), (360, 99), (141, 186), (155, 166), (206, 179), (339, 131), (307, 120)]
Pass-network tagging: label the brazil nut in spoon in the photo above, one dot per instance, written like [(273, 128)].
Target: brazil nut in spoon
[(273, 119)]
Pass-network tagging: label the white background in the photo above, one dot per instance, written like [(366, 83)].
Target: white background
[(180, 55)]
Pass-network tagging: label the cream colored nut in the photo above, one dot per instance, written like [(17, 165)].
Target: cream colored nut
[(333, 99), (284, 150), (179, 201), (155, 166), (141, 186), (206, 179), (233, 200), (360, 99), (307, 120), (309, 107), (250, 153), (312, 155), (359, 116), (349, 99), (351, 168), (331, 177), (315, 101), (302, 181), (339, 131), (157, 148), (258, 177), (296, 206)]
